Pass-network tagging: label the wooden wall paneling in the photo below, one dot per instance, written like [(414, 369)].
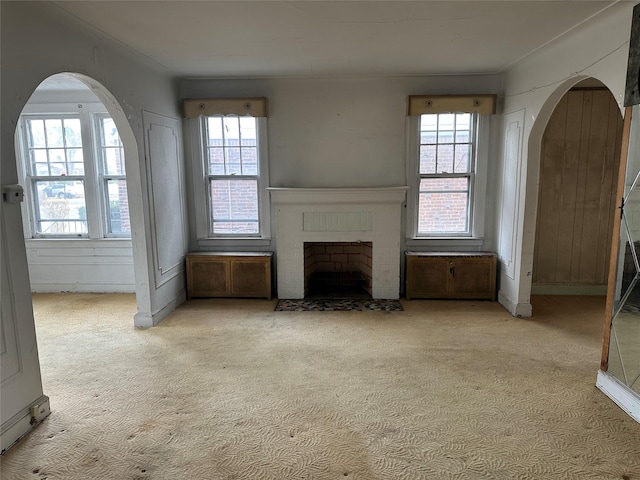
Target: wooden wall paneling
[(569, 195), (581, 181), (579, 163), (593, 189), (550, 189)]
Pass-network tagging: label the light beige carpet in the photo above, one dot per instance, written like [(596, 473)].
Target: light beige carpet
[(229, 389)]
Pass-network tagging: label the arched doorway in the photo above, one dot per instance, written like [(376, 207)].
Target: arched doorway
[(579, 161), (99, 194), (534, 147)]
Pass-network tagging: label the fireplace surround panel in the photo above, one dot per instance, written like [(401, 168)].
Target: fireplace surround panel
[(352, 215)]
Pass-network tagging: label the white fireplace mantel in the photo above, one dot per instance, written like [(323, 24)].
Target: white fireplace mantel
[(338, 215)]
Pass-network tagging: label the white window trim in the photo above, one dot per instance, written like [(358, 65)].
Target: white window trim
[(96, 223), (475, 236), (197, 147)]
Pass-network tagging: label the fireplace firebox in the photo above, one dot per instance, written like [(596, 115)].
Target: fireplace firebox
[(337, 269)]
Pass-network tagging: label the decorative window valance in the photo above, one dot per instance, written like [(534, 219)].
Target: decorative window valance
[(254, 107), (421, 104)]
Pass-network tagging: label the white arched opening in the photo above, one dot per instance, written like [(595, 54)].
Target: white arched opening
[(139, 282), (534, 152)]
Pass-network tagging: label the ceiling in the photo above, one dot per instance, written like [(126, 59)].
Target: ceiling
[(333, 38)]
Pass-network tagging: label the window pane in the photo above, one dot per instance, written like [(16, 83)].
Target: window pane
[(428, 159), (214, 127), (463, 158), (60, 208), (110, 132), (232, 161), (443, 205), (445, 159), (41, 169), (430, 136), (54, 132), (231, 131), (58, 169), (249, 161), (114, 159), (72, 133), (76, 169), (234, 206), (463, 121), (429, 122), (216, 161), (248, 131), (118, 222), (36, 134), (57, 155), (463, 136)]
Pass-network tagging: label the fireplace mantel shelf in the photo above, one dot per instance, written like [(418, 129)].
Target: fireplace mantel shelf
[(309, 196)]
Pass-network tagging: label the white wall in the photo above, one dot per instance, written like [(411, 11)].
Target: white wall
[(342, 132), (532, 89), (38, 40)]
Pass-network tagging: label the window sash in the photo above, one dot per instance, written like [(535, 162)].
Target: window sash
[(226, 217), (455, 217)]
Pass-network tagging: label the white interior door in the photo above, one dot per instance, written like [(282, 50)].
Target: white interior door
[(22, 404)]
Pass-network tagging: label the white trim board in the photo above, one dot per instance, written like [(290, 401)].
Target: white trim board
[(624, 397)]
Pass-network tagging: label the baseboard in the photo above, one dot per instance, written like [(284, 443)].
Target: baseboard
[(515, 309), (562, 289), (83, 288), (152, 319), (623, 396), (22, 423)]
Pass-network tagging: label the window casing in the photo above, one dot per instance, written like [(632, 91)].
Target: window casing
[(446, 175), (232, 177), (64, 154)]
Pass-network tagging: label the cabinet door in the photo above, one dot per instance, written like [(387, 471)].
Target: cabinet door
[(427, 277), (251, 277), (208, 277), (474, 277)]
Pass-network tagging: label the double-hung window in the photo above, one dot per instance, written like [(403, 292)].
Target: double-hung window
[(233, 178), (111, 172), (447, 173), (73, 166), (55, 168), (447, 166), (228, 152)]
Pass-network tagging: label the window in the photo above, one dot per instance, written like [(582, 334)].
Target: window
[(446, 171), (227, 150), (233, 175), (112, 176), (230, 178), (56, 173), (74, 173)]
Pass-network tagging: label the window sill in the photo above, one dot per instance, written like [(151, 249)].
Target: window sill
[(59, 241), (236, 242), (444, 241)]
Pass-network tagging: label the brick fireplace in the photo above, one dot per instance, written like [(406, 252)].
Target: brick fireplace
[(344, 215), (337, 267)]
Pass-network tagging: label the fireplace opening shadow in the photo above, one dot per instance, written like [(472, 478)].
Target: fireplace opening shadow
[(338, 285)]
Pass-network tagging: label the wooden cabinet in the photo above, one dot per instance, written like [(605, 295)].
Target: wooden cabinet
[(461, 275), (241, 274)]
